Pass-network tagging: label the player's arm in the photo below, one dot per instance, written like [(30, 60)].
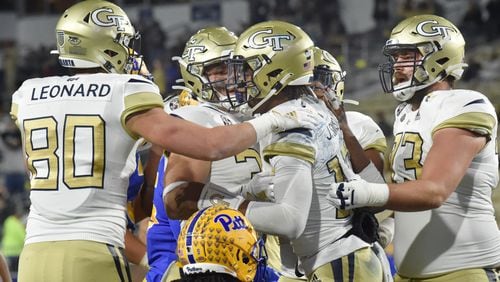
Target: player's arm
[(293, 186), (4, 269), (446, 164), (135, 250), (143, 203), (189, 139), (447, 161), (360, 158), (187, 176)]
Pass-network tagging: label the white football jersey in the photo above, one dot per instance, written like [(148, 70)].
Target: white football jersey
[(324, 148), (231, 172), (462, 233), (79, 153), (367, 131)]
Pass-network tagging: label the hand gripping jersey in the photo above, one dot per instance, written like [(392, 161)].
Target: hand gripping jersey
[(320, 241), (367, 131), (79, 153), (230, 173), (462, 233)]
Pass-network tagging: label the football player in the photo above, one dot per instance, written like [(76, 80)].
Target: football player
[(271, 68), (443, 161), (78, 135), (162, 232), (365, 148), (203, 67), (219, 244)]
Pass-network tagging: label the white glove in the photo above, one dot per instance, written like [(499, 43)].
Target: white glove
[(386, 231), (358, 193), (260, 187), (275, 121)]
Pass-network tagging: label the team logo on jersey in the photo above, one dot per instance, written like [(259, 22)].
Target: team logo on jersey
[(108, 20), (191, 51), (435, 30), (260, 40)]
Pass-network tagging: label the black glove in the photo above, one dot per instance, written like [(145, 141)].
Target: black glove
[(365, 226)]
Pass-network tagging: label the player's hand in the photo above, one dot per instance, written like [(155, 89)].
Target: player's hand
[(275, 121), (139, 67), (260, 187), (358, 193)]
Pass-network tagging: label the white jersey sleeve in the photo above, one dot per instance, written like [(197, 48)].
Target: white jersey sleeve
[(79, 152)]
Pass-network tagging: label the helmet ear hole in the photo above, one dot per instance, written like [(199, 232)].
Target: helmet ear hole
[(110, 53), (442, 61)]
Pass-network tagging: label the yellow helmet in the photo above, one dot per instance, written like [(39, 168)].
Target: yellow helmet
[(207, 47), (328, 71), (438, 41), (268, 57), (219, 239), (96, 33)]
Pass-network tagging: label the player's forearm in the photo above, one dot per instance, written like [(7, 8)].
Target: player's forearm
[(418, 195), (359, 160), (143, 204)]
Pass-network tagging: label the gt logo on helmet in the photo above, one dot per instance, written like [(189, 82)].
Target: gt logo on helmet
[(112, 20), (273, 41), (437, 29), (191, 51)]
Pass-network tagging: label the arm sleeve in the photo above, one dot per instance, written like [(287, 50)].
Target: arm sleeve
[(293, 190)]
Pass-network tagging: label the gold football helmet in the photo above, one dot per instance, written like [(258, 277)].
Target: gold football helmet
[(328, 71), (92, 34), (220, 239), (268, 57), (207, 48), (441, 46)]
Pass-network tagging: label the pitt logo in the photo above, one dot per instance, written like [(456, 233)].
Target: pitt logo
[(435, 29), (230, 223), (192, 51), (110, 20), (258, 42)]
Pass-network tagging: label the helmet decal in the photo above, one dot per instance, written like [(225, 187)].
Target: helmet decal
[(258, 42), (189, 53), (435, 29), (110, 20)]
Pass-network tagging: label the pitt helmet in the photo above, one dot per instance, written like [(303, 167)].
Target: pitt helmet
[(92, 34), (220, 239), (328, 71), (208, 47), (441, 46), (268, 57)]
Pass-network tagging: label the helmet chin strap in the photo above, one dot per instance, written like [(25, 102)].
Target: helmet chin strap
[(405, 94)]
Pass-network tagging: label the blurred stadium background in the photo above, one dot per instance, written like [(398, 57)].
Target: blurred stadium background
[(352, 30)]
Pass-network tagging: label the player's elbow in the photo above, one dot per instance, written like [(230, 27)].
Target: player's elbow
[(438, 195), (436, 202)]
